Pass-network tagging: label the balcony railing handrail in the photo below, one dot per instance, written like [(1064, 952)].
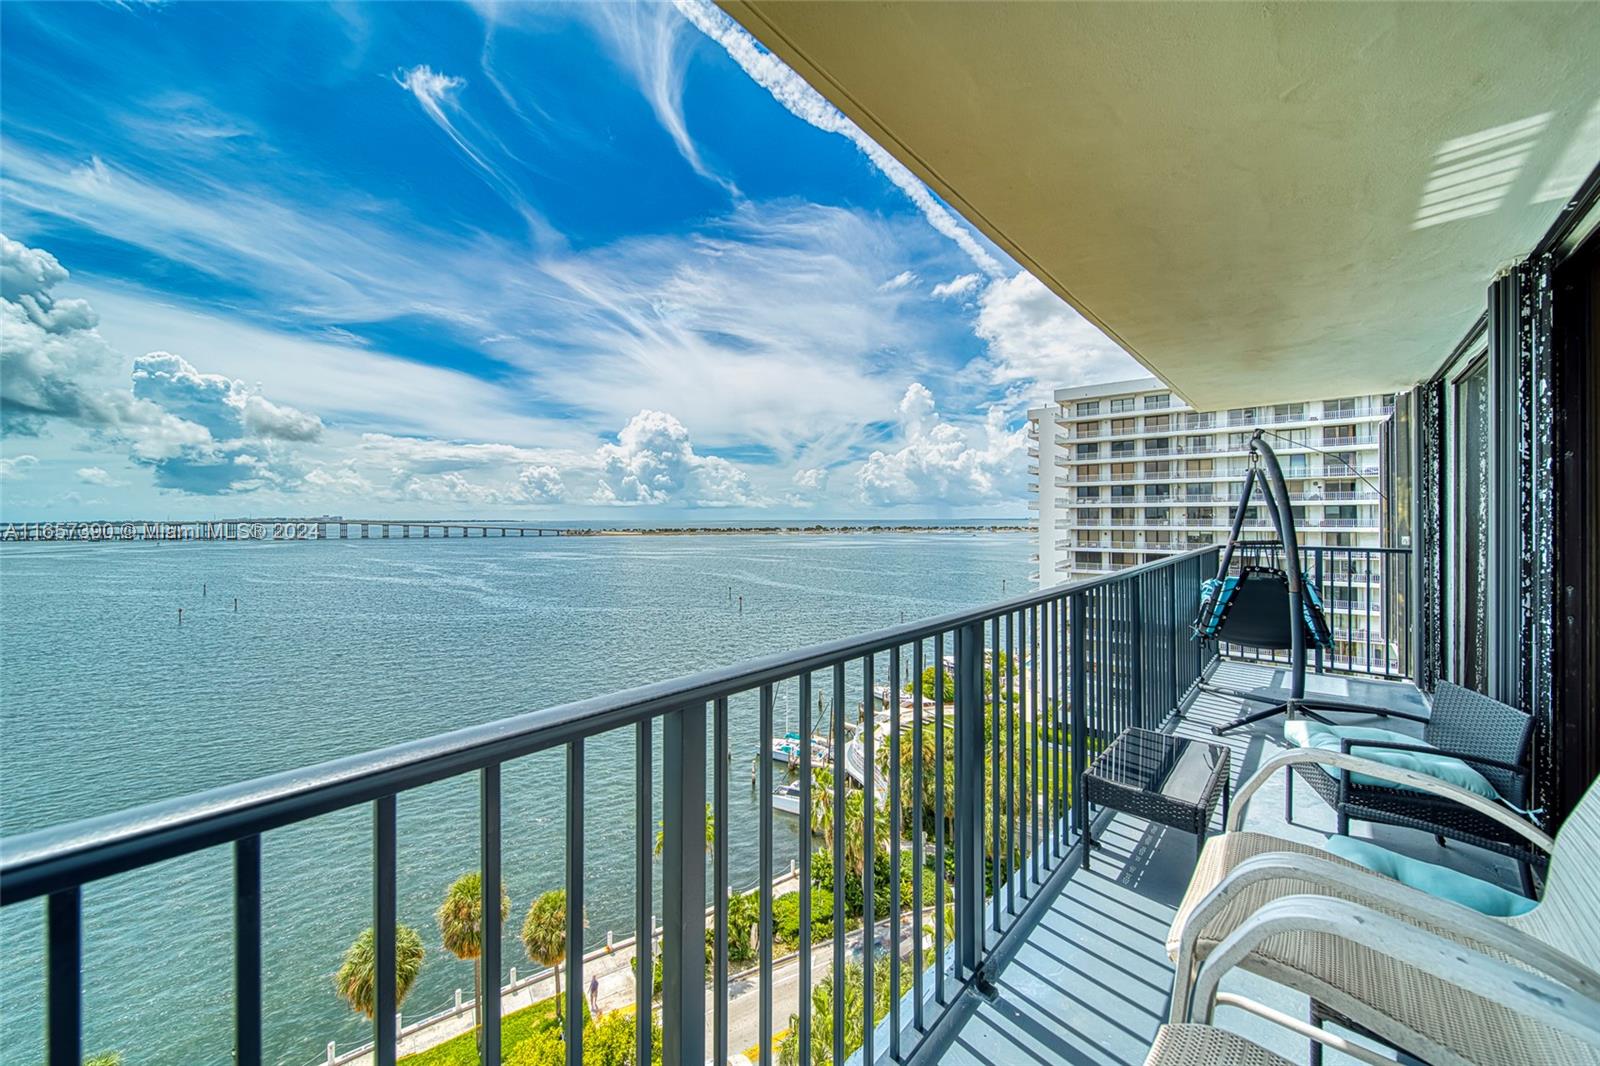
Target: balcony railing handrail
[(46, 860), (1069, 642)]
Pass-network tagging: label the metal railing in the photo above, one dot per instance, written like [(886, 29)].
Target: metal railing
[(1055, 673), (1365, 593)]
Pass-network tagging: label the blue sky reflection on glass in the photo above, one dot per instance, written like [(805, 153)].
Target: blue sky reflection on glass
[(601, 261)]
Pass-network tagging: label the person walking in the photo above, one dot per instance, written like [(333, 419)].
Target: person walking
[(594, 996)]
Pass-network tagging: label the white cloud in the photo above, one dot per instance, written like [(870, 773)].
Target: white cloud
[(941, 463), (437, 93), (811, 479), (648, 40), (16, 467), (1035, 340), (792, 91), (956, 286), (191, 429), (899, 281), (653, 462), (94, 475)]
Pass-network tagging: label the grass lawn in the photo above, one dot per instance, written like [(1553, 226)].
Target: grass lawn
[(514, 1029)]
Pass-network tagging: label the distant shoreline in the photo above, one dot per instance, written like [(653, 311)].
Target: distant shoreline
[(816, 530), (335, 528)]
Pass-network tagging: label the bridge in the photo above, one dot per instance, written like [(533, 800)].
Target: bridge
[(320, 527)]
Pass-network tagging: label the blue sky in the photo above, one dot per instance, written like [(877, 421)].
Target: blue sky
[(421, 259)]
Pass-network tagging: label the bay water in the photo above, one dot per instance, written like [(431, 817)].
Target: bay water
[(339, 647)]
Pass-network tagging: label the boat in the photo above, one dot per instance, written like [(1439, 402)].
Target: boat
[(786, 798), (786, 749)]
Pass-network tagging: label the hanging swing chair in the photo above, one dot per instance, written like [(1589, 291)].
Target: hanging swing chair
[(1267, 607)]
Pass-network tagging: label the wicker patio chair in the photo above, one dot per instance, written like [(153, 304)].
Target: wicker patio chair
[(1242, 875), (1484, 733)]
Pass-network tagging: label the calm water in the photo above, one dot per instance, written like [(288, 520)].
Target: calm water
[(339, 647)]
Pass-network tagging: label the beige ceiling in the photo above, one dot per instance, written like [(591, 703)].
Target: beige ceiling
[(1258, 201)]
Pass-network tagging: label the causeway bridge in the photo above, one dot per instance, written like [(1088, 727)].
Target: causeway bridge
[(320, 527)]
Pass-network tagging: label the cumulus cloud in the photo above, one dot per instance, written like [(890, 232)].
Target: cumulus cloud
[(16, 467), (812, 479), (227, 408), (939, 462), (956, 286), (1035, 339), (94, 475), (792, 91), (401, 469), (199, 432), (653, 462)]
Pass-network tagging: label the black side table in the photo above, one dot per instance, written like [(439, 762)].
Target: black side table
[(1167, 779)]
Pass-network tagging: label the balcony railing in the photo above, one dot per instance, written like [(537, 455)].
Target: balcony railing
[(1054, 673), (1378, 579)]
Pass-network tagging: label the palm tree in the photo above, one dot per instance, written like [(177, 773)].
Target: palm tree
[(544, 935), (822, 802), (356, 981), (711, 832), (461, 925)]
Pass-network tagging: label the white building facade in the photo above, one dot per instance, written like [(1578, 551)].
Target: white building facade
[(1124, 472)]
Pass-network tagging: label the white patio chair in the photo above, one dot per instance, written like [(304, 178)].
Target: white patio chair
[(1242, 875)]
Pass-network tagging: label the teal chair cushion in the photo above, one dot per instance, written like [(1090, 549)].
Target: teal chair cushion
[(1305, 733), (1440, 881)]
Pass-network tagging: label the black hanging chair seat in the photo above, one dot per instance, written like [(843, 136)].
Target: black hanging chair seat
[(1250, 609)]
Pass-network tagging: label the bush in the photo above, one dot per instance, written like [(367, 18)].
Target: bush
[(608, 1042)]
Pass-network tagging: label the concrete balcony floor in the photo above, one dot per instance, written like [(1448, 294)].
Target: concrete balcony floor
[(1093, 980)]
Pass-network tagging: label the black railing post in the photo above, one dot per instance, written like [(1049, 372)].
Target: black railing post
[(489, 898), (63, 968), (1080, 746), (969, 796), (574, 1012), (683, 881), (247, 951), (383, 930), (644, 919), (1316, 581)]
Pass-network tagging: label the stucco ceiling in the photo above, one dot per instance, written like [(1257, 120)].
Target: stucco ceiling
[(1260, 202)]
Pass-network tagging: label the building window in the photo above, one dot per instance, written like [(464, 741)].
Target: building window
[(1122, 492), (1088, 451), (1158, 446), (1155, 516), (1123, 471), (1087, 407), (1118, 406), (1089, 516), (1158, 470), (1158, 492), (1121, 448), (1090, 492), (1199, 516), (1345, 408), (1198, 468), (1241, 416), (1201, 444), (1122, 427), (1158, 424), (1157, 400), (1238, 442), (1289, 412)]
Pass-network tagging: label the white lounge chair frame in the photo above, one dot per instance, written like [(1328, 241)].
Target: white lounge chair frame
[(1568, 991)]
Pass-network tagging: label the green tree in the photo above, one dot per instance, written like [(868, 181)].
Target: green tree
[(356, 980), (544, 934), (105, 1058), (461, 924), (854, 1012)]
